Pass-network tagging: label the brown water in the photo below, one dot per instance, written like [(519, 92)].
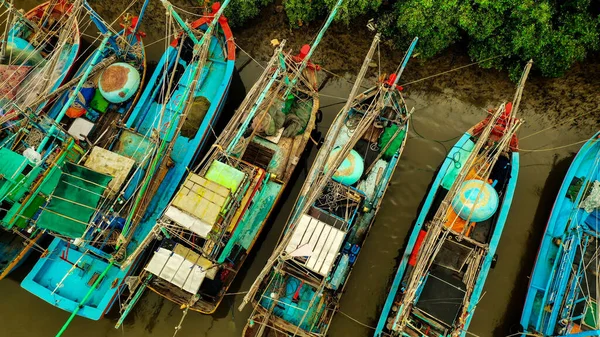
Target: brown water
[(444, 108)]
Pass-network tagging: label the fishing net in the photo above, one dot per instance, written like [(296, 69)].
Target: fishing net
[(268, 123), (388, 136), (195, 117), (592, 201), (297, 119)]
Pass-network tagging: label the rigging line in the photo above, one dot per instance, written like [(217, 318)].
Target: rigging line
[(347, 80), (356, 321), (554, 148), (561, 123), (336, 97), (181, 9), (449, 71), (250, 56)]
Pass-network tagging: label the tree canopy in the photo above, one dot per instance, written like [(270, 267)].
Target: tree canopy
[(554, 33)]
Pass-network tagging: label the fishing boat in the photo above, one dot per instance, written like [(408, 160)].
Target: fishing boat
[(130, 182), (452, 246), (219, 211), (298, 291), (75, 124), (562, 299), (38, 51), (38, 151)]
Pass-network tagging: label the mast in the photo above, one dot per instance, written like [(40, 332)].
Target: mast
[(139, 21), (312, 48), (409, 52), (520, 87), (10, 9), (73, 94), (312, 190), (102, 27)]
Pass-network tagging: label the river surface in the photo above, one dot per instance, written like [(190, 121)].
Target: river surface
[(443, 110)]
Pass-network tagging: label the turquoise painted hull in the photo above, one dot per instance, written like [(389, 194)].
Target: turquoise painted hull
[(567, 233), (12, 245), (214, 84), (430, 205)]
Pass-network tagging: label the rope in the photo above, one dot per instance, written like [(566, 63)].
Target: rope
[(248, 54), (451, 70), (554, 148), (561, 123), (355, 320)]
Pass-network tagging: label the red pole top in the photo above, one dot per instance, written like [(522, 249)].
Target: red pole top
[(391, 80), (215, 7), (508, 108), (304, 51)]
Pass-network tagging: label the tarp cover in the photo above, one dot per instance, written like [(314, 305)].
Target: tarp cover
[(73, 201), (176, 270), (198, 204), (317, 241)]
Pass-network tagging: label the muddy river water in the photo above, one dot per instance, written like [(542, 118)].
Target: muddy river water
[(444, 109)]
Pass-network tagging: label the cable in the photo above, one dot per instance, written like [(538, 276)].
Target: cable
[(554, 148)]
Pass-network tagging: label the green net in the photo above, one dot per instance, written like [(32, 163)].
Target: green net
[(74, 200), (387, 136), (11, 168)]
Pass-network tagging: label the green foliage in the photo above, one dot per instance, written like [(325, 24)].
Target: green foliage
[(433, 21), (554, 33), (303, 11), (239, 11)]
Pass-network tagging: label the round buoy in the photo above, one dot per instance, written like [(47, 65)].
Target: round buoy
[(119, 82), (351, 169), (82, 101), (476, 201)]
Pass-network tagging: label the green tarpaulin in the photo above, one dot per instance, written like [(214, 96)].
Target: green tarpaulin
[(73, 201), (11, 166)]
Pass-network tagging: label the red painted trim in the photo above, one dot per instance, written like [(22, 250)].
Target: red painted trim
[(413, 255), (223, 22)]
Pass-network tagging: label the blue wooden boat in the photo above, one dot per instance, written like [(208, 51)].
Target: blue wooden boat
[(452, 247), (562, 299), (298, 292), (38, 151), (85, 267), (37, 54)]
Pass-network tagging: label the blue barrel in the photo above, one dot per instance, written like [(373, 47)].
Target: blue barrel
[(119, 82), (476, 201), (351, 168)]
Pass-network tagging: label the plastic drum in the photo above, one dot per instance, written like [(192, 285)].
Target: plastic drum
[(351, 169), (119, 82), (476, 201)]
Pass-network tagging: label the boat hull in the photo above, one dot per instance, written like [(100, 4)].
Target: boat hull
[(416, 237), (538, 312), (41, 281)]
